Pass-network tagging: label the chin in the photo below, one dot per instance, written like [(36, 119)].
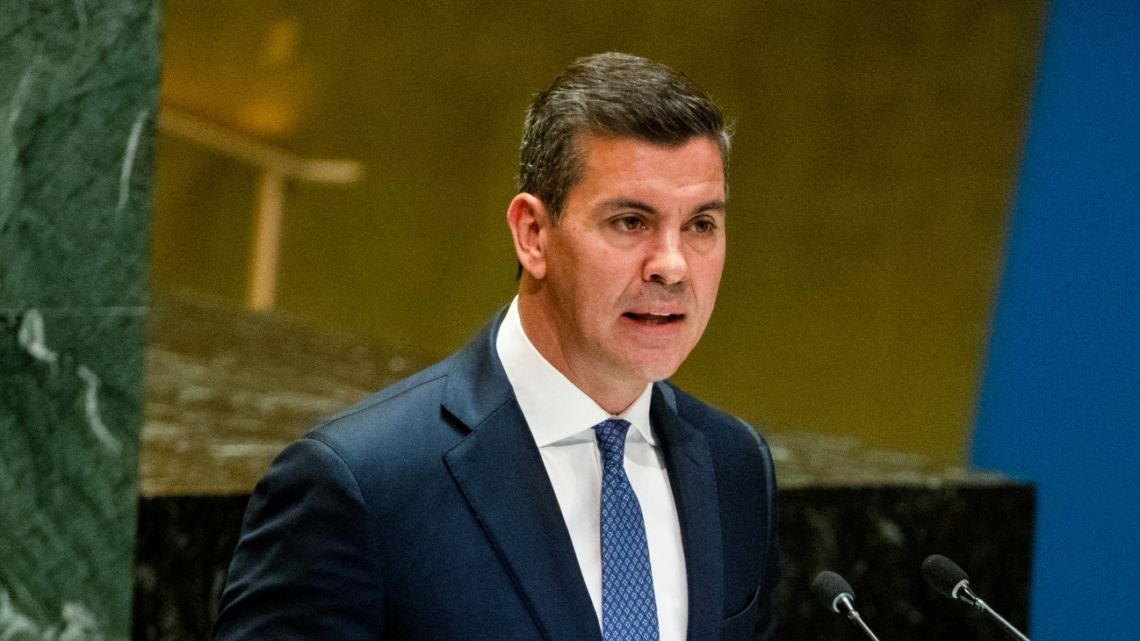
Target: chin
[(657, 369)]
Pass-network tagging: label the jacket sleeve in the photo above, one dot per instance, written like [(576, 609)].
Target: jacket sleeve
[(307, 562), (749, 520), (766, 623)]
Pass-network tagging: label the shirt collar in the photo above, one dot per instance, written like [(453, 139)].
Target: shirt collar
[(554, 407)]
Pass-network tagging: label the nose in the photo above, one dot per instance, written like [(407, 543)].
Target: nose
[(666, 263)]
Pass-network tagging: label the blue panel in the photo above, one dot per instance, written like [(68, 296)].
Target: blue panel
[(1060, 401)]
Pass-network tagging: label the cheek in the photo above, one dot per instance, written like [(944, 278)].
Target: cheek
[(708, 278), (714, 284), (607, 274)]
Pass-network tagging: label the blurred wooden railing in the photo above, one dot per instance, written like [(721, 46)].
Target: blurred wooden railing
[(276, 167)]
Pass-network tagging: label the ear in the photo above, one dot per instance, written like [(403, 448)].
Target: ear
[(528, 220)]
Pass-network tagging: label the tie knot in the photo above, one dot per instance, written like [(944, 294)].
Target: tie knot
[(611, 440)]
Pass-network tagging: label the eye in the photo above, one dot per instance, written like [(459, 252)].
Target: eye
[(703, 225), (629, 223)]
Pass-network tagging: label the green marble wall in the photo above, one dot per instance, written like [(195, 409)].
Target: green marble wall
[(78, 84)]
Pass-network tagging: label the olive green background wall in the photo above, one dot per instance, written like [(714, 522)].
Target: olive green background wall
[(871, 176)]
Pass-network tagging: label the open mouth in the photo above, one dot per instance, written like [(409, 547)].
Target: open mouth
[(655, 319)]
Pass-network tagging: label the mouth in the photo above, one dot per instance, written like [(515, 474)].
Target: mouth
[(654, 319)]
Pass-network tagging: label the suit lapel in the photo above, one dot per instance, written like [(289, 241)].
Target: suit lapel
[(500, 472), (693, 480)]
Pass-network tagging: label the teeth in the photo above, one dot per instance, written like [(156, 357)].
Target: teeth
[(654, 318)]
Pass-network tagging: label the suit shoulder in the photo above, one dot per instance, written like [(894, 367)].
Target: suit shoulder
[(732, 441), (713, 421), (390, 420)]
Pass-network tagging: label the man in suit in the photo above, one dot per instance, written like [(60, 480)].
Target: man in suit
[(545, 482)]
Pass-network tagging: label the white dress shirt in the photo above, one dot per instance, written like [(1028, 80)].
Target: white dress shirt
[(561, 419)]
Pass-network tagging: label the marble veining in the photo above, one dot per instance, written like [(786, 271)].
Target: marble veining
[(91, 409), (32, 339), (76, 623), (81, 14), (129, 158), (68, 465), (78, 93), (77, 102)]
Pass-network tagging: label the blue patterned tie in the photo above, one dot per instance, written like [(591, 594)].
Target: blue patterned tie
[(629, 609)]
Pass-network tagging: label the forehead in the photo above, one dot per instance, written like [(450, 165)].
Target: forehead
[(634, 161), (584, 142)]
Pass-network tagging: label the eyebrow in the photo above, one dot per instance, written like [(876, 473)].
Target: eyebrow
[(630, 203)]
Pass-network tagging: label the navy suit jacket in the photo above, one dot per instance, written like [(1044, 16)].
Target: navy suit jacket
[(425, 513)]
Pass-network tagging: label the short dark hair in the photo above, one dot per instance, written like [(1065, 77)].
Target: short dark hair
[(610, 94)]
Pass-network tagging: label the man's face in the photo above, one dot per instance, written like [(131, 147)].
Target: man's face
[(633, 265)]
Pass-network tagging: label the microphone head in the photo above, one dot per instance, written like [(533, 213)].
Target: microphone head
[(944, 575), (829, 587)]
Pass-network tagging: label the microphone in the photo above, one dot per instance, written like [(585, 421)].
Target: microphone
[(951, 581), (836, 595)]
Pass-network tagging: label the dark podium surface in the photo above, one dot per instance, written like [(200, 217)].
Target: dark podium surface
[(227, 389)]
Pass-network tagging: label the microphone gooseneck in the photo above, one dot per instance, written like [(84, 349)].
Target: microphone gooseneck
[(951, 581), (836, 595)]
